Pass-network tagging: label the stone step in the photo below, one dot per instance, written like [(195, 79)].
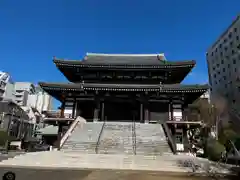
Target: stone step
[(84, 138), (116, 138), (61, 159), (151, 139)]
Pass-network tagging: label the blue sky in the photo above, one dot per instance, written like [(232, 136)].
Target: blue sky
[(32, 32)]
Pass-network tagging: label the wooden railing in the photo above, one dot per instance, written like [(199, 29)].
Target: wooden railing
[(69, 131), (99, 138), (192, 118)]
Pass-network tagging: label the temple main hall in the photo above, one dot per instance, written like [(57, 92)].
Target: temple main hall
[(140, 88)]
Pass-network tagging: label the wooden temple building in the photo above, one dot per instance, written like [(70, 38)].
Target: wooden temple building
[(144, 88)]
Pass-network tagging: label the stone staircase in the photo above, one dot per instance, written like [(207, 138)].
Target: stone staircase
[(60, 159), (84, 138), (116, 138), (151, 140)]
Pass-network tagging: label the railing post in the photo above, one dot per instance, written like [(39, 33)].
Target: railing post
[(99, 138), (60, 129), (134, 136)]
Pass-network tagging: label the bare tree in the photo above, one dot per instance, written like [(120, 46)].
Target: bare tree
[(211, 114)]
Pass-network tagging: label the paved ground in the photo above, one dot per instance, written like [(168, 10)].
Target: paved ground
[(69, 174), (9, 155), (101, 175)]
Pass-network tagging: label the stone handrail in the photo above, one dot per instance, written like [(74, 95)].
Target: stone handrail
[(170, 139), (71, 128), (235, 149)]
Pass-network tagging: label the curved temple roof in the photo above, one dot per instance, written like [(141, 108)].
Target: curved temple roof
[(60, 90), (122, 87), (123, 59)]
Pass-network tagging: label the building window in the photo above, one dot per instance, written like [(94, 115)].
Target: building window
[(230, 35), (234, 61), (225, 48), (223, 70), (225, 40), (222, 62), (215, 75), (228, 65), (235, 29), (220, 45), (233, 51), (238, 46), (231, 43), (237, 37), (224, 77)]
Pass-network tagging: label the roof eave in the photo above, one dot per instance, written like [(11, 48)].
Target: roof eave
[(53, 86)]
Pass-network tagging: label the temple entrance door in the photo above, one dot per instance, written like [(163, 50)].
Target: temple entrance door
[(121, 111), (86, 110), (158, 112)]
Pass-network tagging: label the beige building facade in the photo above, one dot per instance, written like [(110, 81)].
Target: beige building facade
[(223, 59)]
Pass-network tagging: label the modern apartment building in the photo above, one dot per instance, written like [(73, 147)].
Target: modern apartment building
[(22, 91), (223, 59), (6, 86), (40, 100)]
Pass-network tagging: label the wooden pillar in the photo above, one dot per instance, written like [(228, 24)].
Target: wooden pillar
[(96, 112), (74, 108), (60, 131), (141, 112), (78, 110), (171, 111), (185, 139), (146, 114), (182, 109), (102, 111), (62, 110)]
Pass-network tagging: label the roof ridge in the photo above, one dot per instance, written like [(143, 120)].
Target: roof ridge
[(136, 55)]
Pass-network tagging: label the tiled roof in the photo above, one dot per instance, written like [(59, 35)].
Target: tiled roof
[(123, 59), (122, 87)]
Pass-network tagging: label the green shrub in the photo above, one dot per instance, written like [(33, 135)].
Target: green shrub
[(237, 143), (4, 137), (214, 150)]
